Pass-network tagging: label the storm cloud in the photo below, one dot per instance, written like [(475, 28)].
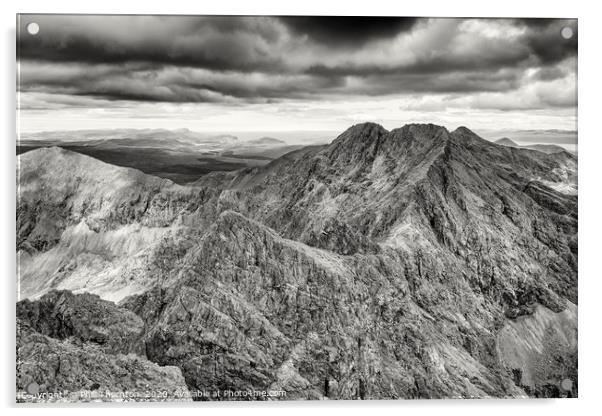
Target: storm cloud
[(351, 31), (252, 60)]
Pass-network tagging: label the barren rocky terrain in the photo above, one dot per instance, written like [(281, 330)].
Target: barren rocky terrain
[(412, 263)]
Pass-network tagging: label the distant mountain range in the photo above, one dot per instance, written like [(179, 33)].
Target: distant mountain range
[(412, 263), (545, 148), (180, 155)]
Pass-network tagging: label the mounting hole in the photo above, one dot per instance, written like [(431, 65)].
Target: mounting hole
[(566, 32), (566, 384), (33, 28)]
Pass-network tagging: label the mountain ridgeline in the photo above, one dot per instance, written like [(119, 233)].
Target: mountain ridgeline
[(412, 263)]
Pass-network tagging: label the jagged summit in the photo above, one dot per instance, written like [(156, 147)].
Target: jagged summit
[(356, 144), (372, 131), (372, 137), (362, 143), (421, 129), (363, 133), (367, 127)]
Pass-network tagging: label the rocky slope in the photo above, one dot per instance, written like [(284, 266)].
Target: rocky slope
[(82, 222), (81, 348), (401, 264)]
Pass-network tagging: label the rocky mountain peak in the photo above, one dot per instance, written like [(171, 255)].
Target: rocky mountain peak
[(464, 136), (363, 142), (421, 131), (464, 132), (360, 134), (357, 144), (368, 128)]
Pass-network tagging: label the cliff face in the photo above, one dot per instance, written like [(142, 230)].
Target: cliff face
[(398, 264)]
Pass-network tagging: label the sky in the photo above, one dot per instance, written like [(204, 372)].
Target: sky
[(295, 73)]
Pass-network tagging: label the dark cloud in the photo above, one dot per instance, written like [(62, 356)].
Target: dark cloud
[(155, 83), (544, 40), (238, 60), (536, 22), (456, 83), (548, 45), (348, 30), (163, 85), (431, 66), (219, 43)]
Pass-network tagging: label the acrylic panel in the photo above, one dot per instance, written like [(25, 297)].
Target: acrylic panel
[(295, 208)]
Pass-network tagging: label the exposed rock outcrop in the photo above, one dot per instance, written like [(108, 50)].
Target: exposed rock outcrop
[(81, 348), (86, 318)]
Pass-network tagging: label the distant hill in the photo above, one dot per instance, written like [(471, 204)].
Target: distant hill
[(544, 148), (180, 155), (266, 141), (504, 141)]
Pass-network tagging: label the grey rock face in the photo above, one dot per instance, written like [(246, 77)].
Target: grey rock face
[(81, 348), (385, 265), (86, 317)]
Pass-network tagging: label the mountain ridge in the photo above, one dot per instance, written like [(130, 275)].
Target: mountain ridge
[(385, 264)]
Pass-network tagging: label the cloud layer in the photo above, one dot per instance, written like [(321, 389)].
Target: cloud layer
[(430, 64)]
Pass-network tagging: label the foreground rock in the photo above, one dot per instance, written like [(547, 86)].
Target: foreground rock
[(79, 348)]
